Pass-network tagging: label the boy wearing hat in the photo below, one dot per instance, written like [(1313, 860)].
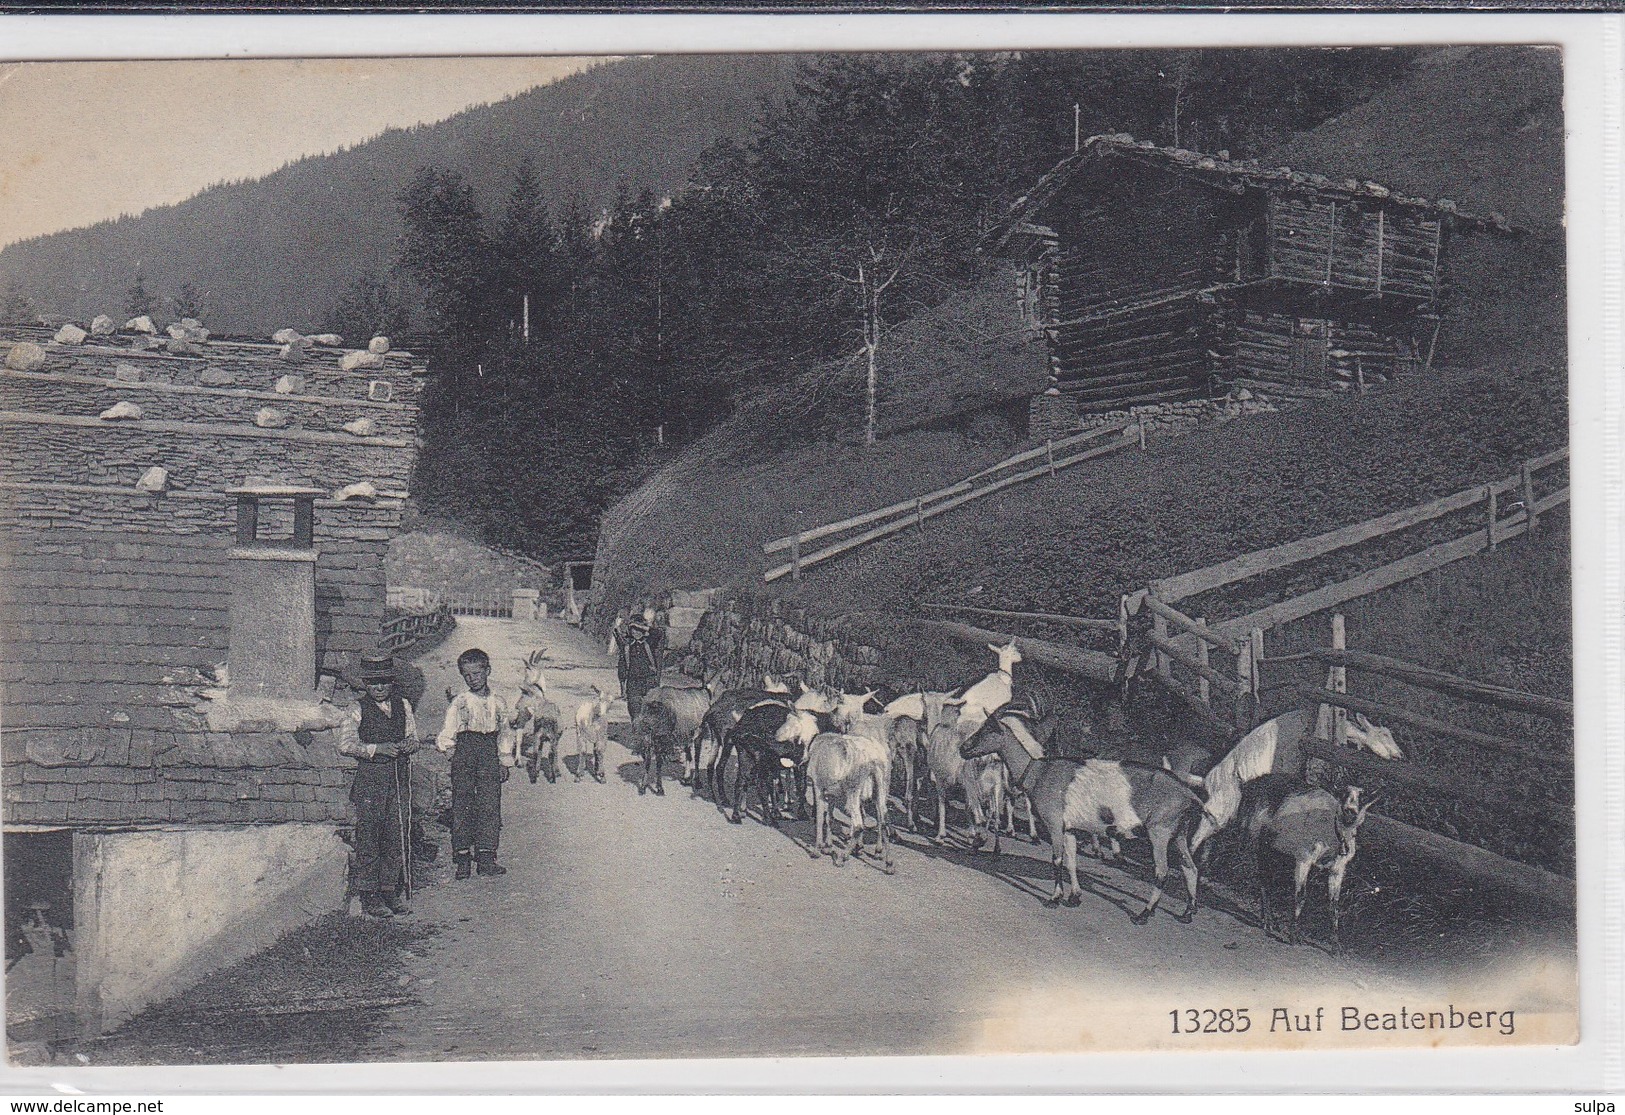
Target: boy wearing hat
[(380, 733), (638, 665), (478, 735)]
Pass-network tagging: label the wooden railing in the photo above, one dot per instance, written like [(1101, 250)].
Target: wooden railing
[(1429, 781), (406, 631), (1188, 643), (1524, 519), (913, 512)]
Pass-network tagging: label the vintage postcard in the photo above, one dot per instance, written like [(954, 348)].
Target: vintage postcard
[(1058, 545)]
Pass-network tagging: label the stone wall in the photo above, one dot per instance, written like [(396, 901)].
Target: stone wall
[(1057, 415), (744, 637)]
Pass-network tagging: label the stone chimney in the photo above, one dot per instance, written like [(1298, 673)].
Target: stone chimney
[(273, 596)]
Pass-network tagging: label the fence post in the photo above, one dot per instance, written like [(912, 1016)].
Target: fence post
[(1257, 640), (1049, 454), (1164, 666), (1529, 497), (919, 514), (1122, 625), (1489, 493), (1202, 689), (795, 557), (1142, 435), (1246, 702), (1338, 683)]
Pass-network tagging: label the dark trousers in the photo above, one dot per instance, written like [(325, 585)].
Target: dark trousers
[(636, 688), (376, 794), (476, 796)]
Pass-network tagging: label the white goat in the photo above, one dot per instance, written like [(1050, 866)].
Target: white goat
[(1274, 747), (994, 691), (849, 769), (538, 720), (592, 732), (983, 780)]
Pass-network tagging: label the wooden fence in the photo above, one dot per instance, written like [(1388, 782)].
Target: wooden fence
[(407, 630), (1524, 518), (414, 599), (1217, 669), (1184, 645), (890, 520), (1430, 781)]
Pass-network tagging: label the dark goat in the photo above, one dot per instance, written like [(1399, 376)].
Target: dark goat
[(1286, 819), (655, 735)]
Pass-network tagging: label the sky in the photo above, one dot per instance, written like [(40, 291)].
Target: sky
[(87, 141)]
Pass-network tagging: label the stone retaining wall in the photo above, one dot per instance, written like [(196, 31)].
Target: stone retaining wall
[(1056, 416)]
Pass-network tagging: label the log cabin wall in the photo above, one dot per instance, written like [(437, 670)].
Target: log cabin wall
[(1341, 244), (1135, 248), (1292, 354)]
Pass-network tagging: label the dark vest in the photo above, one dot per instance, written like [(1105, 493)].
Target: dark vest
[(378, 729)]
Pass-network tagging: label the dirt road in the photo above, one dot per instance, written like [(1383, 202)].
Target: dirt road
[(633, 926)]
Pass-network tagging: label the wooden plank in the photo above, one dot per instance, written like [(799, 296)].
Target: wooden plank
[(1477, 864), (1398, 715), (1547, 459), (942, 507), (1091, 664), (1047, 617), (908, 506), (1384, 576), (1515, 700), (1174, 589), (196, 429), (1042, 451), (1189, 626), (1194, 663), (887, 512)]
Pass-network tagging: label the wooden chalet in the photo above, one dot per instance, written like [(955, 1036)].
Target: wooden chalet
[(1160, 274)]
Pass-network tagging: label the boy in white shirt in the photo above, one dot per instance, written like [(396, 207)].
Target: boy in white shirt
[(478, 735)]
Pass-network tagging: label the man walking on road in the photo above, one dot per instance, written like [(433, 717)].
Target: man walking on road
[(478, 735), (380, 734)]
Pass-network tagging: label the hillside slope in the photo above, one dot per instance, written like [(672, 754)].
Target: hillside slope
[(1075, 542), (279, 250)]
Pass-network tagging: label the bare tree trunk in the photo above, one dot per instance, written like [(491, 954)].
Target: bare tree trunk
[(871, 330)]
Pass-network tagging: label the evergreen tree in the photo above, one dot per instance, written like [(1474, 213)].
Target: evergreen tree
[(139, 300), (188, 301)]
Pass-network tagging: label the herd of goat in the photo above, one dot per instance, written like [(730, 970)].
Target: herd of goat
[(997, 752)]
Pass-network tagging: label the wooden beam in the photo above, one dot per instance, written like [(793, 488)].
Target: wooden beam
[(1090, 664), (1191, 627), (1175, 589), (1418, 776), (1398, 715), (1515, 700), (1479, 865), (194, 429), (1194, 663), (1046, 617), (940, 508)]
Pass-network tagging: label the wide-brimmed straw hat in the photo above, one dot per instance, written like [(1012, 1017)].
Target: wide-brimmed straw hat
[(375, 666)]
